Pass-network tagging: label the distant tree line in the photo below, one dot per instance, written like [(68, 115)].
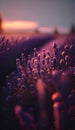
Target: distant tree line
[(56, 30)]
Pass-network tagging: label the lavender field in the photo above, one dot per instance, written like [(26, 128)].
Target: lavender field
[(37, 76)]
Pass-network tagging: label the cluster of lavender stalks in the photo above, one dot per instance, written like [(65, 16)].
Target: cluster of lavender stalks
[(44, 83)]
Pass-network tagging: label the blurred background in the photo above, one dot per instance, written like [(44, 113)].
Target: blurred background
[(39, 16)]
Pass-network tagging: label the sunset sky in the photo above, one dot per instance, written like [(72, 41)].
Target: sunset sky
[(44, 14)]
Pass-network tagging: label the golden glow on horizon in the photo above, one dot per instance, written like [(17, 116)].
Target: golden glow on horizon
[(19, 25), (29, 25)]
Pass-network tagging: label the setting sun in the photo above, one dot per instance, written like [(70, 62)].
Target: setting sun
[(19, 25)]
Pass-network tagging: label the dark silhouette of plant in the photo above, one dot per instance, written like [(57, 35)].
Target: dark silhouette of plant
[(1, 29), (72, 29)]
